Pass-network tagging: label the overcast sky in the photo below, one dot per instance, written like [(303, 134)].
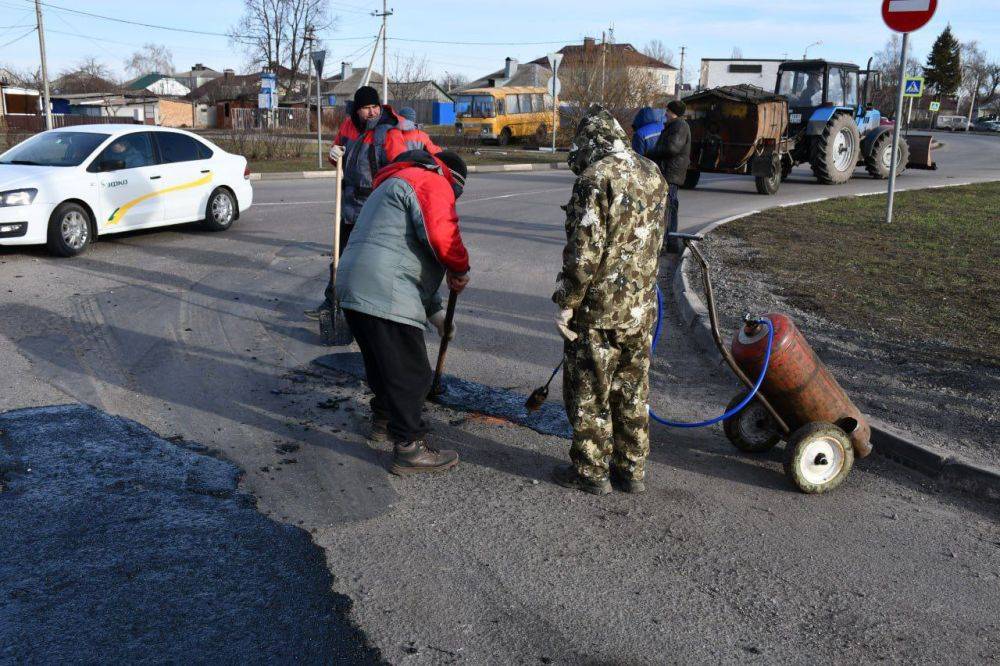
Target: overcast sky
[(850, 30)]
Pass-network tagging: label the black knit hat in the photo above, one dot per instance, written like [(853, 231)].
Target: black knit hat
[(677, 107), (455, 164), (365, 96)]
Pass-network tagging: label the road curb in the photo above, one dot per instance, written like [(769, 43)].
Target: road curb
[(477, 168), (982, 481)]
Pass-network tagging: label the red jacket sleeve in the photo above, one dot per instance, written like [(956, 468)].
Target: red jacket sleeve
[(432, 147), (347, 132), (395, 144), (437, 203)]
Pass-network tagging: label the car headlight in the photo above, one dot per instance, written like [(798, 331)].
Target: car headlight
[(17, 197)]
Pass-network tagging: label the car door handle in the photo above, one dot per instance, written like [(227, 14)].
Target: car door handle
[(155, 177), (206, 171)]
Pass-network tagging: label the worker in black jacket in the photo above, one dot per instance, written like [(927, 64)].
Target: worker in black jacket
[(672, 153)]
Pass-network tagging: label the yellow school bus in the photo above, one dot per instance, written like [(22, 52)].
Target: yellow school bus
[(501, 114)]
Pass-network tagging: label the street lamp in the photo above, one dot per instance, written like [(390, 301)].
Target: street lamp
[(805, 54)]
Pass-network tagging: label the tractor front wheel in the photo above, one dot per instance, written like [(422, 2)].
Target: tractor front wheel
[(878, 161), (835, 152)]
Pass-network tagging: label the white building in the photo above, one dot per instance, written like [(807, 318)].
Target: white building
[(760, 72)]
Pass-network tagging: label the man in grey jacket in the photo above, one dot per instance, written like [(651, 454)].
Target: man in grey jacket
[(405, 242), (673, 155)]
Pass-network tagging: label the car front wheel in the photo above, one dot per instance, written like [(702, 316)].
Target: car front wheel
[(220, 211), (70, 230)]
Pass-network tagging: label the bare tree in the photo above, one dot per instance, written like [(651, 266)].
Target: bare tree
[(452, 80), (90, 75), (979, 78), (737, 53), (150, 58), (407, 76), (657, 50), (26, 78), (887, 63), (272, 34)]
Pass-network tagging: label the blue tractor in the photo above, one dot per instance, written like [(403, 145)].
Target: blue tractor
[(831, 124)]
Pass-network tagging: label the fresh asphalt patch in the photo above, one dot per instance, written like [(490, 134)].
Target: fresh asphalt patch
[(122, 547)]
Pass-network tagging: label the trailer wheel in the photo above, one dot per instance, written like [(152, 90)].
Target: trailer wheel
[(878, 161), (834, 153), (818, 458), (786, 167), (768, 184), (691, 179), (504, 137), (751, 430)]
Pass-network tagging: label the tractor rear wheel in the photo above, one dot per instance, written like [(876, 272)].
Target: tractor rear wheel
[(835, 152), (878, 161)]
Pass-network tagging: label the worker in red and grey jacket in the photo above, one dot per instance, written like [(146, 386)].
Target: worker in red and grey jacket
[(405, 242), (415, 138), (368, 139)]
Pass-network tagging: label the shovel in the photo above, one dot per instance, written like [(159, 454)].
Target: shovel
[(449, 317), (333, 328)]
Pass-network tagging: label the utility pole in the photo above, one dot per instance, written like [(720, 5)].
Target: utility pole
[(386, 13), (194, 103), (45, 67), (680, 74), (604, 63)]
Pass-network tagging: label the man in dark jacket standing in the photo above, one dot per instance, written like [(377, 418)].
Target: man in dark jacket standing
[(368, 139), (406, 241), (673, 155)]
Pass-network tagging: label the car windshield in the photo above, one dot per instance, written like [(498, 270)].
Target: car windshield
[(61, 149), (475, 106), (802, 88)]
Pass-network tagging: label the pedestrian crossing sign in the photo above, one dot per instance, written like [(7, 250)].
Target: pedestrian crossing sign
[(913, 86), (935, 107)]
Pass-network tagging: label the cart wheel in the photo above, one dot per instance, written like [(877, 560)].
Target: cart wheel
[(752, 430), (818, 458)]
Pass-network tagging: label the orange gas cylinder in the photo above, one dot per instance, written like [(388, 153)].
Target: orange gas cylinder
[(798, 384)]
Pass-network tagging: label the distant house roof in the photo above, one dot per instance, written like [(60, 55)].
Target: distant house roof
[(345, 88), (418, 90), (228, 87), (527, 74), (81, 82), (583, 54), (200, 71)]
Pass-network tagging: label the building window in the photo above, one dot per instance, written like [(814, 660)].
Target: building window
[(746, 69)]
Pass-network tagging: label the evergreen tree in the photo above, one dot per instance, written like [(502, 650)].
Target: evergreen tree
[(943, 72)]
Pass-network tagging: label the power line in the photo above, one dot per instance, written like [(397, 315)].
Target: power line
[(18, 38), (433, 41)]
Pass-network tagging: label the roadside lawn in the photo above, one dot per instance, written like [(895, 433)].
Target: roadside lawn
[(930, 276)]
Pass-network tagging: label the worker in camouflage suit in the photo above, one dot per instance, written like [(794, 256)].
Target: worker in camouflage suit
[(607, 302)]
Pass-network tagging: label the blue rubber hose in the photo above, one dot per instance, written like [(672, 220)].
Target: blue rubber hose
[(735, 410)]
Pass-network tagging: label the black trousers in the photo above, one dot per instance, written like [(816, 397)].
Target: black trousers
[(329, 298), (397, 371), (672, 244)]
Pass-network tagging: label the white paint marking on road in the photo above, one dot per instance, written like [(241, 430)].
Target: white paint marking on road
[(290, 203), (508, 196)]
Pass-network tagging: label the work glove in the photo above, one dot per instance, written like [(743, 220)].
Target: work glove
[(336, 152), (457, 282), (437, 320), (562, 323)]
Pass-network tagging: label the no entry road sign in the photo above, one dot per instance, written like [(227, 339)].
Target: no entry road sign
[(907, 15)]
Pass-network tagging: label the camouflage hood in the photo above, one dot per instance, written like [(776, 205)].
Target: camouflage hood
[(597, 136)]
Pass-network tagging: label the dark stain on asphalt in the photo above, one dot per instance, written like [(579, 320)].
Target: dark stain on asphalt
[(469, 396), (120, 547)]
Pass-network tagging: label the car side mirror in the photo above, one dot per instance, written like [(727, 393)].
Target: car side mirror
[(112, 165)]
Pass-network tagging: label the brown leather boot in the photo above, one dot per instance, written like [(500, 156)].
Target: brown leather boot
[(416, 457), (379, 430)]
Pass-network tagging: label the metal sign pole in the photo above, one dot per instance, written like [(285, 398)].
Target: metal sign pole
[(897, 127)]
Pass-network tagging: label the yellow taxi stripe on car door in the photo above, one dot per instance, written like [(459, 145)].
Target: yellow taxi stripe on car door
[(119, 213)]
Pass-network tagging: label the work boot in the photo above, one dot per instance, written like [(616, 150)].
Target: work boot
[(416, 457), (626, 484), (567, 477), (380, 429)]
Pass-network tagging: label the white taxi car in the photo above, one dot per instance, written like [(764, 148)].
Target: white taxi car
[(66, 186)]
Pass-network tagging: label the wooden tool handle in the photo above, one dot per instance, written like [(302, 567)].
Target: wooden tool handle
[(336, 213), (449, 317)]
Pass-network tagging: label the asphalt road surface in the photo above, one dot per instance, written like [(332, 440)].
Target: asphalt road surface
[(201, 335)]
